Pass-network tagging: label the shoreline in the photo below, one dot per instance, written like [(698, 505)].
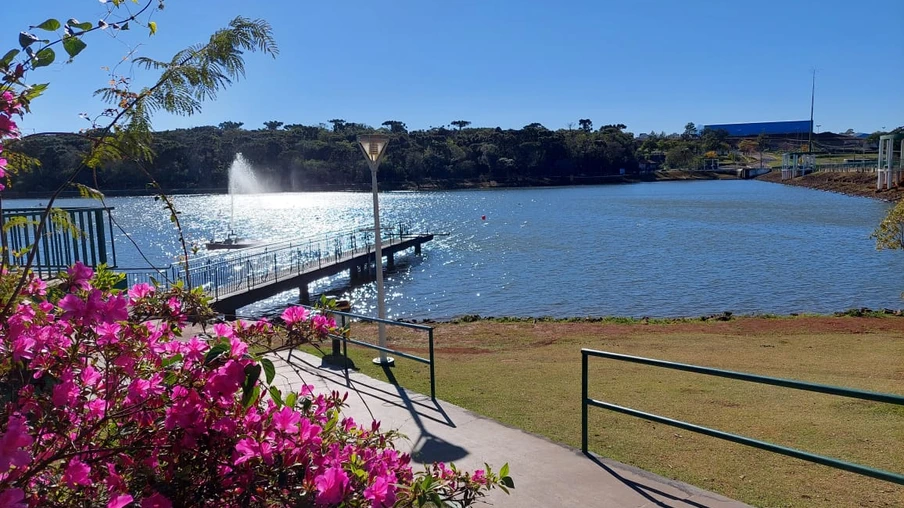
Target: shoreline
[(849, 184), (437, 185)]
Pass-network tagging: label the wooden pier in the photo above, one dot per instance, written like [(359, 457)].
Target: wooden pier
[(248, 276)]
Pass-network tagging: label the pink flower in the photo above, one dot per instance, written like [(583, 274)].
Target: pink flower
[(223, 330), (15, 437), (294, 314), (237, 347), (8, 127), (12, 498), (140, 290), (65, 393), (225, 381), (77, 473), (116, 309), (156, 501), (479, 476), (140, 390), (107, 333), (323, 324), (79, 275), (331, 486), (381, 493), (120, 501), (286, 420), (90, 377), (23, 347), (194, 349), (97, 408)]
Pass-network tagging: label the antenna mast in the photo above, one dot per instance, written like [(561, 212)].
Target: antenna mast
[(812, 102)]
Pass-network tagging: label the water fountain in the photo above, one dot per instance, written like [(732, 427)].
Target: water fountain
[(242, 180)]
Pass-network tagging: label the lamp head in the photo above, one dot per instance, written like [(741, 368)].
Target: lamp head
[(374, 147)]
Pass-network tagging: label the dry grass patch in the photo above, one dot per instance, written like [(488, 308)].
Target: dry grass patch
[(528, 375)]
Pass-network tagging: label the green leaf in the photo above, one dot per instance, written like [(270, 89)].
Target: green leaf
[(505, 470), (291, 398), (152, 26), (73, 46), (507, 481), (8, 58), (250, 388), (171, 360), (88, 192), (35, 91), (26, 39), (269, 369), (49, 25), (276, 395), (44, 58), (81, 26), (215, 353), (254, 395)]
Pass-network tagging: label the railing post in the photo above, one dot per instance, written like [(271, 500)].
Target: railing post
[(584, 401), (432, 370)]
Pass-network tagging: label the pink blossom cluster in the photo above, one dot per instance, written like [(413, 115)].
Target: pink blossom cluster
[(9, 106), (104, 406)]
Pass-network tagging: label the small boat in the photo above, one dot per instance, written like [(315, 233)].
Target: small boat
[(232, 241)]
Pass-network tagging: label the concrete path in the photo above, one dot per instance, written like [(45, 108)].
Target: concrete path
[(546, 474)]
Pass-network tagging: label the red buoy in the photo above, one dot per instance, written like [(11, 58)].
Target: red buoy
[(483, 217)]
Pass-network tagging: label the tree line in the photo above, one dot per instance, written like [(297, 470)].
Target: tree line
[(296, 157)]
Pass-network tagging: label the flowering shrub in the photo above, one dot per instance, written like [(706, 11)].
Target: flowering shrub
[(103, 402)]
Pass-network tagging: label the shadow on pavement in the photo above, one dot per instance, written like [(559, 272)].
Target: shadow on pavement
[(645, 490), (427, 448)]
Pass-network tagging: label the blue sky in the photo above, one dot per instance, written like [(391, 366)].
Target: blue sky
[(652, 65)]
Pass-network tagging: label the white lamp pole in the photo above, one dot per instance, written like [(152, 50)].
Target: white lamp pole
[(374, 147)]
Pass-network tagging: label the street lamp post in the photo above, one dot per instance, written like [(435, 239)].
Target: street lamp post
[(374, 148)]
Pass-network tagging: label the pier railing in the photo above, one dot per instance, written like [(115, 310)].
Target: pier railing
[(245, 269), (346, 318), (70, 234), (586, 401)]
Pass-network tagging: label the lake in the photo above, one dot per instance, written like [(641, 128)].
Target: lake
[(660, 249)]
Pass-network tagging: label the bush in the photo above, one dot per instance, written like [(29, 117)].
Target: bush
[(105, 404)]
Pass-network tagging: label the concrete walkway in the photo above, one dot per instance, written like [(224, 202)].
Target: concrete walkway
[(546, 474)]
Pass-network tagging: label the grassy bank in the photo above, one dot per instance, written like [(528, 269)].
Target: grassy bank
[(527, 374)]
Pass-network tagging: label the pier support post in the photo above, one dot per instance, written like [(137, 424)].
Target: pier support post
[(230, 314), (417, 248), (390, 261), (304, 296)]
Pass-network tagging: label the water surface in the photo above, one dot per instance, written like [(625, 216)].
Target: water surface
[(650, 249)]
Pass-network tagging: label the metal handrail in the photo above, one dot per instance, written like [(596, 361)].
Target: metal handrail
[(756, 443), (344, 316), (226, 274)]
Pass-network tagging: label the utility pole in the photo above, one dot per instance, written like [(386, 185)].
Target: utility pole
[(812, 102)]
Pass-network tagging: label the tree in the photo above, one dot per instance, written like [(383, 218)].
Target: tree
[(395, 126), (849, 132), (747, 146), (586, 124), (273, 125), (230, 126), (690, 131), (461, 124), (338, 124), (713, 139), (890, 233)]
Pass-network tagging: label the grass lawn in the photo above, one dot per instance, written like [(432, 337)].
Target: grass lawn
[(527, 374)]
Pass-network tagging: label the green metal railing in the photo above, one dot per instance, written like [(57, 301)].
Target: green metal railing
[(586, 401), (346, 318), (86, 235)]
